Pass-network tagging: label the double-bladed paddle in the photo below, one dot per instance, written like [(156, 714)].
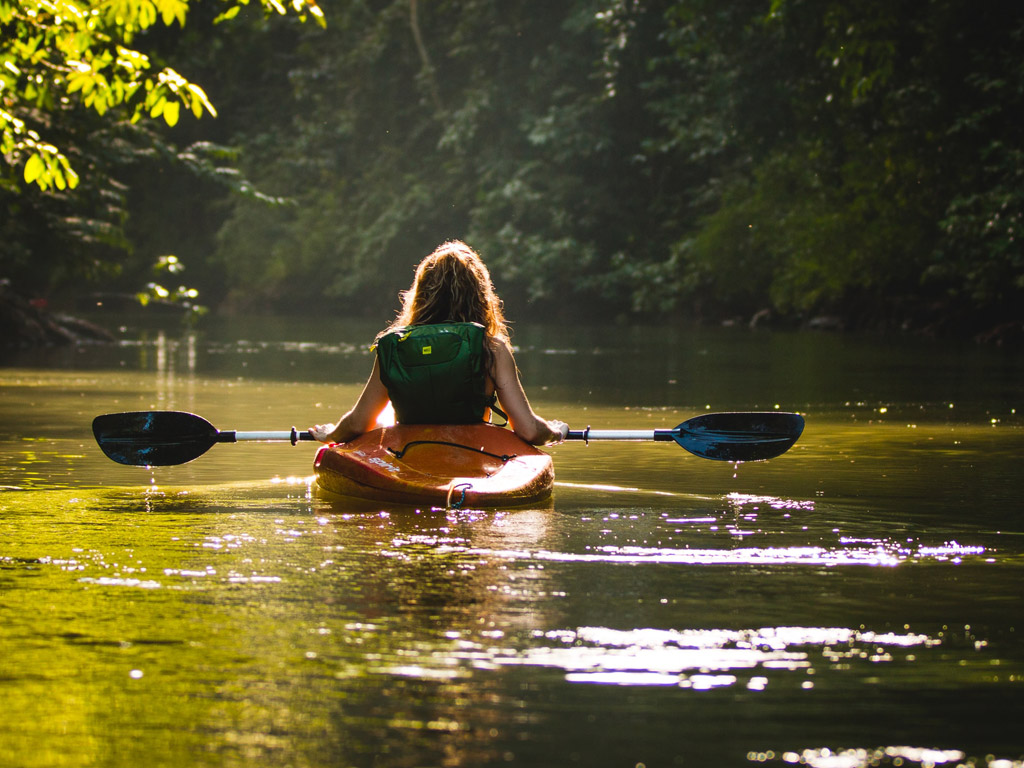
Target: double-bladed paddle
[(162, 438), (738, 436)]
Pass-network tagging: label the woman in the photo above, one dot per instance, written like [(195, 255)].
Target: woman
[(450, 312)]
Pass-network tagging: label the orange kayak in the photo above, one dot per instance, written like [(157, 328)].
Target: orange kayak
[(458, 465)]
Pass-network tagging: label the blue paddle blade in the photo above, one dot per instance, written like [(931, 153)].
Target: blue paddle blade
[(739, 436), (153, 438)]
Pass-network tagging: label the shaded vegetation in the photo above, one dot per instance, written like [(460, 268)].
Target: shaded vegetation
[(861, 160)]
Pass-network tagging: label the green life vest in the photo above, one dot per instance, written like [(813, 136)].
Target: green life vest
[(435, 374)]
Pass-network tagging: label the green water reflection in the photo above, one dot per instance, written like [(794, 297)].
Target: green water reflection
[(854, 602)]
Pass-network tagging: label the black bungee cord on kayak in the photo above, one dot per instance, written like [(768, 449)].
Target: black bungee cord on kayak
[(399, 453)]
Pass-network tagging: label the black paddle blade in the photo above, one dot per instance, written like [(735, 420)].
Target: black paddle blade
[(153, 438), (740, 436)]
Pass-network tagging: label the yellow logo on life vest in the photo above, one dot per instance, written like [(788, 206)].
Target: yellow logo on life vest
[(427, 350)]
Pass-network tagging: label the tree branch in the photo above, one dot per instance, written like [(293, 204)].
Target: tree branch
[(428, 68)]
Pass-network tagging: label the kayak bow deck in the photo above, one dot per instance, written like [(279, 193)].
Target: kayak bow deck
[(467, 465)]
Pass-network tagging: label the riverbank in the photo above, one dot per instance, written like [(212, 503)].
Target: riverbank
[(25, 324)]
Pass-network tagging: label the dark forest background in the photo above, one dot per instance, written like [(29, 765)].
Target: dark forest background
[(859, 161)]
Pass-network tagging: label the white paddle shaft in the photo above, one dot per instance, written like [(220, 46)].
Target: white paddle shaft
[(619, 434), (291, 436)]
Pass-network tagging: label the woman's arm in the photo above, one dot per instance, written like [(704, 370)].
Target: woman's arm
[(521, 417), (362, 417)]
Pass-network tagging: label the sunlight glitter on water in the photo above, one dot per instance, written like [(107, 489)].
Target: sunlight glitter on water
[(703, 659), (874, 553), (108, 581), (926, 757), (739, 500)]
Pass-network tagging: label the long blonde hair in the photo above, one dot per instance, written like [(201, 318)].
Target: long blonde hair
[(452, 285)]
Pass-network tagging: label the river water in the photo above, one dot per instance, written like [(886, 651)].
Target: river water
[(857, 601)]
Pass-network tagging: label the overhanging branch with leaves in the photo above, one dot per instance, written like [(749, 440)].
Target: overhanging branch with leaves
[(57, 55)]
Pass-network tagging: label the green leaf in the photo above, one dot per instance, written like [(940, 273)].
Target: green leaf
[(200, 100), (69, 173), (34, 168), (171, 112), (77, 81), (229, 14)]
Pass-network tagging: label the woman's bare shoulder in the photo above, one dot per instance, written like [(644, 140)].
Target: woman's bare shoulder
[(500, 343), (503, 366)]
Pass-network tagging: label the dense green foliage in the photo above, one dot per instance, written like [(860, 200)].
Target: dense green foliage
[(77, 97), (861, 158)]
